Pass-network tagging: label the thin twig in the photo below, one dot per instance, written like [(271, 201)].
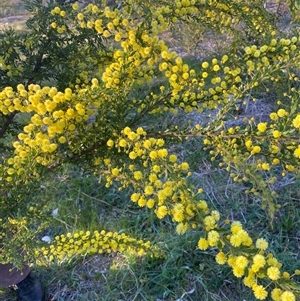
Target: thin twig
[(7, 123), (75, 157), (106, 203)]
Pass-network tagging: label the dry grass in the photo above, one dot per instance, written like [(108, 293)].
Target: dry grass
[(83, 282), (12, 14), (15, 22)]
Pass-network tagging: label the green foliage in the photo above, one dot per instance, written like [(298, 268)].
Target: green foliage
[(98, 87)]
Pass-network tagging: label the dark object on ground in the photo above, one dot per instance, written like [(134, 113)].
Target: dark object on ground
[(31, 289)]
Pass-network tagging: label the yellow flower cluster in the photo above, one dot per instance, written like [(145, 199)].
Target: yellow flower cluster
[(90, 243), (245, 153), (296, 121), (218, 14), (253, 266), (151, 162), (236, 248), (139, 53), (58, 22), (54, 117), (140, 49)]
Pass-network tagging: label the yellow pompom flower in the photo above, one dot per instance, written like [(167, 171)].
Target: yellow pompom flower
[(181, 228), (156, 168), (75, 6), (282, 113), (173, 158), (248, 144), (106, 33), (259, 261), (140, 131), (297, 152), (161, 211), (184, 166), (256, 53), (185, 75), (205, 65), (152, 177), (118, 36), (265, 166), (203, 244), (56, 10), (115, 171), (62, 139), (132, 136), (272, 261), (80, 16), (273, 116), (276, 134), (150, 203), (249, 280), (255, 150), (10, 171), (296, 121), (221, 258), (137, 175), (123, 143), (142, 201), (238, 272), (241, 262), (273, 273), (163, 66), (133, 155), (214, 61), (276, 294), (260, 292), (261, 244), (213, 238), (204, 74), (286, 275), (162, 153), (153, 155), (216, 68), (149, 190), (135, 197), (110, 143), (147, 144), (209, 222), (274, 149), (202, 205), (236, 240), (53, 147), (262, 126), (288, 296), (236, 226), (216, 215)]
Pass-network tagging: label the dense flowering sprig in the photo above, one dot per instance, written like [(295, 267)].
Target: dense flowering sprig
[(160, 182), (157, 177), (53, 121), (66, 246), (222, 16)]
